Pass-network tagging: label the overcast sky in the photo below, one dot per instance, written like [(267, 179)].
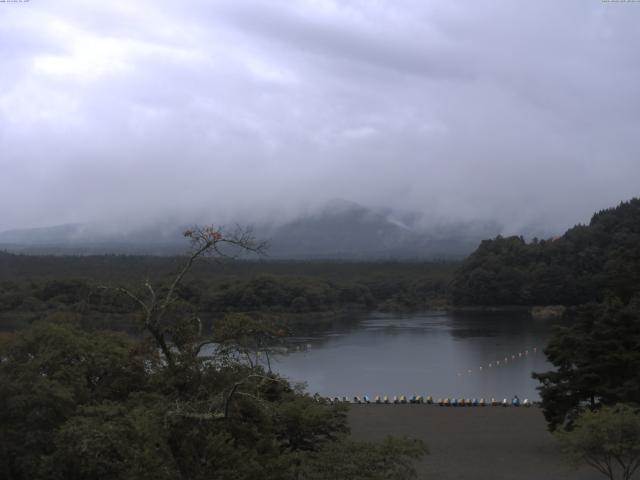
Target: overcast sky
[(521, 111)]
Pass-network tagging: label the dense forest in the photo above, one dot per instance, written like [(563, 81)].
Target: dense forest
[(586, 264), (78, 404), (33, 287)]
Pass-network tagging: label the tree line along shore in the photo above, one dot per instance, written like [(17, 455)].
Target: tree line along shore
[(585, 265)]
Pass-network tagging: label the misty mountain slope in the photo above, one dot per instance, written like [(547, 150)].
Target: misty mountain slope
[(95, 238), (340, 229), (28, 236), (93, 233), (349, 230)]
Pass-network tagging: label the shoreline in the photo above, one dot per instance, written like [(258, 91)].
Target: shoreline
[(481, 443)]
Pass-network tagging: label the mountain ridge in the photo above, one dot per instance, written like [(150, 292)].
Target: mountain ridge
[(339, 229)]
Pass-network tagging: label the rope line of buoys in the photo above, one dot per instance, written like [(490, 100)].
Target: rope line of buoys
[(501, 362), (429, 400)]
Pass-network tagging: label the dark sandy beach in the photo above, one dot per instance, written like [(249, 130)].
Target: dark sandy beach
[(491, 443)]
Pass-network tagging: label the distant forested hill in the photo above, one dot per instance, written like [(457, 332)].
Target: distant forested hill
[(584, 265)]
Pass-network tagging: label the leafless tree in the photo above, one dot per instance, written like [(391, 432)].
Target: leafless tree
[(206, 241)]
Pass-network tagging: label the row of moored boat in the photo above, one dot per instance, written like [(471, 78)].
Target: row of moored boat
[(444, 402)]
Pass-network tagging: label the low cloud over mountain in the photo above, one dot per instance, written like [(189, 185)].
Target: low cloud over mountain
[(339, 229)]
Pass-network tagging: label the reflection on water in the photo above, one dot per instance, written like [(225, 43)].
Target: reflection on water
[(435, 353)]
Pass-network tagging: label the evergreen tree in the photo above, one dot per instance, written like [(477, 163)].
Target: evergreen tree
[(597, 362)]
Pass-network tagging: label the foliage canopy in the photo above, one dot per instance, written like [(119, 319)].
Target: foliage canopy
[(586, 264), (607, 439), (597, 362), (87, 405)]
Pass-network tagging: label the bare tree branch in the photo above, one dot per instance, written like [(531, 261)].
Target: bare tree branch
[(205, 241), (128, 293), (238, 384), (203, 344)]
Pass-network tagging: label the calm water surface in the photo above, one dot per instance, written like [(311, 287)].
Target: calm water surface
[(438, 354)]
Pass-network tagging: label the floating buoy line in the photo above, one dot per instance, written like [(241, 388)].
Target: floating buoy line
[(501, 362)]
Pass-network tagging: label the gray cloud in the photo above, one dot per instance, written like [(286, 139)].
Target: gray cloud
[(521, 112), (375, 42)]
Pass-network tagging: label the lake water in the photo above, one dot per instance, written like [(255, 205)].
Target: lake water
[(434, 353)]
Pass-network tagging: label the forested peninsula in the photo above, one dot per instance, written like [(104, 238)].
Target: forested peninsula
[(586, 264)]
